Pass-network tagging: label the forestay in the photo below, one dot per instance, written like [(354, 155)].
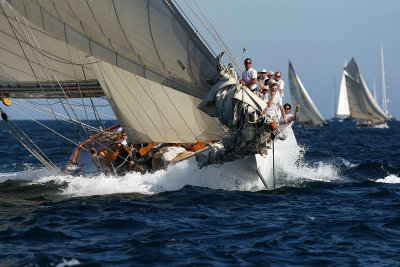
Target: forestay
[(299, 95), (361, 102)]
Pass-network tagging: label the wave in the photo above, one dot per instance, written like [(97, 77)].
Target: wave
[(390, 179)]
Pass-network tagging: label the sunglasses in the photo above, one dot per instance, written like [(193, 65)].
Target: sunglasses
[(270, 75), (277, 76), (288, 108), (247, 63)]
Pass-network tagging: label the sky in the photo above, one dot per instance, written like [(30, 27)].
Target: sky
[(317, 36)]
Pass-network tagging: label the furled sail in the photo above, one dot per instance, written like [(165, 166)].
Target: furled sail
[(308, 112), (32, 63), (361, 102), (150, 63), (343, 103)]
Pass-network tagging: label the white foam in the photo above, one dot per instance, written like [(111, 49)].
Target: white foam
[(66, 263), (289, 172), (174, 178), (29, 173), (391, 179)]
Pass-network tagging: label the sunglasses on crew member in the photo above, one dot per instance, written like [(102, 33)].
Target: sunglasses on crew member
[(247, 63), (270, 75), (277, 76), (288, 108)]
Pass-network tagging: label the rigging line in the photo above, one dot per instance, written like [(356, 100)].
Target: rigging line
[(222, 39), (17, 130), (79, 87), (194, 25), (79, 145), (96, 113), (210, 32), (23, 51), (66, 138), (214, 18), (234, 28), (20, 133), (62, 117), (56, 79), (32, 151), (76, 107)]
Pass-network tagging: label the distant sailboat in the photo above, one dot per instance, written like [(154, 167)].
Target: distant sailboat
[(361, 103), (308, 113)]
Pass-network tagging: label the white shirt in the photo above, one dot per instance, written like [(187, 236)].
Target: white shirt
[(287, 117), (248, 76), (281, 84), (275, 106), (263, 82)]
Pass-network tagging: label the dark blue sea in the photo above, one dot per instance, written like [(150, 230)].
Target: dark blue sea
[(338, 205)]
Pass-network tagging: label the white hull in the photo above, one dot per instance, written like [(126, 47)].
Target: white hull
[(243, 172)]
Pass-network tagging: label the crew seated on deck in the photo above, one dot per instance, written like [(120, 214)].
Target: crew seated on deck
[(121, 162), (124, 140)]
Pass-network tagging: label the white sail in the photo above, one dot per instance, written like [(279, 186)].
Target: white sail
[(308, 112), (343, 103), (30, 57), (361, 102), (152, 112), (153, 66)]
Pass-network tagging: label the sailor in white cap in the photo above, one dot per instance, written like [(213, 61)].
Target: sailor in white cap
[(262, 78)]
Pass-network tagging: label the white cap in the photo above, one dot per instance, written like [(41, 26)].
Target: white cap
[(262, 70)]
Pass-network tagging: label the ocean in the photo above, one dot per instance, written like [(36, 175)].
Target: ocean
[(337, 206)]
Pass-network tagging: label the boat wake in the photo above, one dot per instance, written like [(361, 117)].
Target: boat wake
[(390, 179), (289, 169)]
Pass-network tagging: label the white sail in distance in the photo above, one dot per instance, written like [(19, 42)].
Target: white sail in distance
[(308, 111), (361, 102), (140, 46), (343, 103)]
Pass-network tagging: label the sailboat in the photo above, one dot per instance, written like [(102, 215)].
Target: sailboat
[(169, 93), (308, 114), (362, 104)]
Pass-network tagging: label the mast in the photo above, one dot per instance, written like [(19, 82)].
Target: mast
[(384, 99)]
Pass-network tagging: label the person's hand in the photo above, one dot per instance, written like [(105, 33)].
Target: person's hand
[(285, 121), (298, 107), (242, 82)]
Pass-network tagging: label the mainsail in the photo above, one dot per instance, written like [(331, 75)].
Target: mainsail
[(308, 111), (151, 64), (361, 102), (33, 64)]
